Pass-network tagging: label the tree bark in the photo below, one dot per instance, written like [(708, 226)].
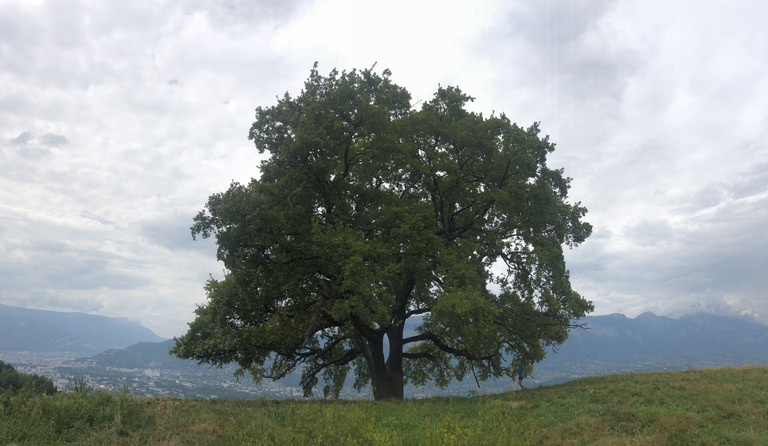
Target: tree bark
[(387, 376), (387, 386)]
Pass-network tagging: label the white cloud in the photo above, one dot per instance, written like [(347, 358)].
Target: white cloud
[(119, 119)]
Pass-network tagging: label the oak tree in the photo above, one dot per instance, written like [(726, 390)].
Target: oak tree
[(370, 212)]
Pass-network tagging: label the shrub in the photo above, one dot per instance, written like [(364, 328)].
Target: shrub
[(79, 385), (12, 380)]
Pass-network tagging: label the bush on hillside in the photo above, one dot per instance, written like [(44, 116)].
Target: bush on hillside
[(12, 380)]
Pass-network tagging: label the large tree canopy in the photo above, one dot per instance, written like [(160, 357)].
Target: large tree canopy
[(369, 212)]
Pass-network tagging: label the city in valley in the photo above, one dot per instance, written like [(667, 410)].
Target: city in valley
[(608, 345)]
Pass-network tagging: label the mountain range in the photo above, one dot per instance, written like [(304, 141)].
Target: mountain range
[(618, 338), (617, 344), (606, 345), (40, 331)]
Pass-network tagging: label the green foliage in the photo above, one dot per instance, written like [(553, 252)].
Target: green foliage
[(71, 418), (369, 212), (716, 406), (79, 385), (13, 381)]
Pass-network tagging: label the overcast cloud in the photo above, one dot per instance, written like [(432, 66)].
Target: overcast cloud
[(119, 119)]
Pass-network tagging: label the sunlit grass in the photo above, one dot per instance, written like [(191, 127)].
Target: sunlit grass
[(715, 406)]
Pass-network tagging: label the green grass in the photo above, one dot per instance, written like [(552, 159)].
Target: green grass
[(710, 406)]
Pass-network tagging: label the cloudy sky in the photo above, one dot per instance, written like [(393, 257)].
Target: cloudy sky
[(119, 118)]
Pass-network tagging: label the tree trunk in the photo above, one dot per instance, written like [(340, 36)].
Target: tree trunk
[(387, 386), (387, 376)]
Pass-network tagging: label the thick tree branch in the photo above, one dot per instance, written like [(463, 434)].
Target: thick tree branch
[(431, 337), (420, 355), (417, 311), (317, 367)]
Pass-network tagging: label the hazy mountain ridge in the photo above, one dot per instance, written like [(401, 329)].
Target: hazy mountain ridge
[(618, 344), (140, 356), (610, 344), (617, 337), (41, 331)]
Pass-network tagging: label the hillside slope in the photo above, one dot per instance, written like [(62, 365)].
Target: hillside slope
[(697, 407)]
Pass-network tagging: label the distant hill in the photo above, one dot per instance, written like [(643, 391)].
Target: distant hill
[(144, 355), (40, 331), (615, 344), (697, 337), (611, 344)]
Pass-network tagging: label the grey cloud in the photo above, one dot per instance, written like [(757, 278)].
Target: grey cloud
[(232, 12), (24, 150), (103, 221), (651, 233), (53, 300), (172, 231), (553, 23), (50, 265), (77, 270), (712, 256), (573, 51), (52, 255), (749, 182), (752, 181), (22, 139), (28, 138), (568, 66), (707, 197), (105, 160), (75, 46), (51, 139)]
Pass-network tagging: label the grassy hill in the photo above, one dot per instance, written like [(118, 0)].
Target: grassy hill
[(706, 406)]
